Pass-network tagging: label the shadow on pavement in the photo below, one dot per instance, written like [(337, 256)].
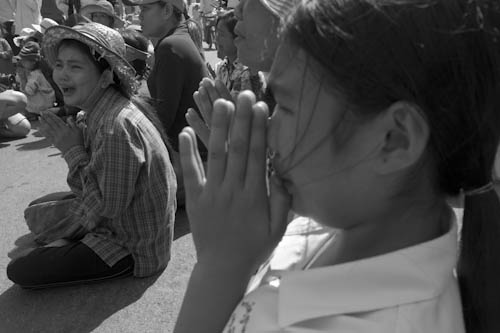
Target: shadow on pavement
[(3, 145), (40, 144), (78, 309)]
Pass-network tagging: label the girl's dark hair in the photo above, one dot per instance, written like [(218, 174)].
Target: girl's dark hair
[(443, 57), (144, 105), (229, 20), (139, 41)]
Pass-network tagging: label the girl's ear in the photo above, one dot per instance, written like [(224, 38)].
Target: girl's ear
[(406, 134)]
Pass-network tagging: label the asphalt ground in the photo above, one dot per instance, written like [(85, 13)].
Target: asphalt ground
[(30, 168)]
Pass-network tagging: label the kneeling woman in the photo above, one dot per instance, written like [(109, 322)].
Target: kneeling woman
[(120, 217)]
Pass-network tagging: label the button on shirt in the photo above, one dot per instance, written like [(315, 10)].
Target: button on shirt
[(409, 290), (125, 186)]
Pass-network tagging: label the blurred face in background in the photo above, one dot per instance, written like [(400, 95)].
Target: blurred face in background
[(257, 35), (153, 19), (225, 42), (29, 63)]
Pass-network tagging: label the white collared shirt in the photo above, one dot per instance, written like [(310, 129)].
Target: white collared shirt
[(409, 290)]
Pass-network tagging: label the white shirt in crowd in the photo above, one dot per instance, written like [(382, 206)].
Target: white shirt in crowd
[(409, 290)]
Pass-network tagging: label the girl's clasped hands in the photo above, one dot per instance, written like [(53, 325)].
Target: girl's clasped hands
[(232, 198)]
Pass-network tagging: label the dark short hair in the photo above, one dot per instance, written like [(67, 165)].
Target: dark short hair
[(229, 19)]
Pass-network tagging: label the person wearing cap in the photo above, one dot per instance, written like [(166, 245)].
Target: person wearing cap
[(178, 67), (118, 220), (102, 11)]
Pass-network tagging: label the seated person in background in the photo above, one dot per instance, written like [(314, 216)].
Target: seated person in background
[(13, 123), (41, 95), (119, 219)]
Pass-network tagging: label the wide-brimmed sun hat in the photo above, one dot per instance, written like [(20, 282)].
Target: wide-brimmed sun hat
[(107, 42), (280, 8), (105, 7), (44, 25)]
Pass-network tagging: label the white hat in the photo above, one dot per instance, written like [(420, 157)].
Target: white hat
[(44, 25), (25, 33)]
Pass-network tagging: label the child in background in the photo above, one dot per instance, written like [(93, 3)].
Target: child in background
[(41, 95), (385, 109)]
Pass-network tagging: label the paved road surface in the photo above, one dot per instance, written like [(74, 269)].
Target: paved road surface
[(30, 168)]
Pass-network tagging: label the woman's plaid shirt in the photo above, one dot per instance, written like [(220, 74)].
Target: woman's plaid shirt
[(125, 186)]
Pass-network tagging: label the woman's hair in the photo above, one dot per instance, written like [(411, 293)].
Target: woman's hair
[(229, 20), (139, 41), (144, 105), (194, 30), (442, 57)]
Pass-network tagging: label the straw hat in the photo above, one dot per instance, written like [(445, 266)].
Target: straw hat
[(44, 25), (105, 7), (107, 42)]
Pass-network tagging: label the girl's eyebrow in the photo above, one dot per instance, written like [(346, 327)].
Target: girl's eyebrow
[(70, 61)]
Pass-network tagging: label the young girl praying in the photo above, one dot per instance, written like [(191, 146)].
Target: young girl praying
[(385, 110)]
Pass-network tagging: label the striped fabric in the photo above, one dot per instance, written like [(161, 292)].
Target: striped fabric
[(125, 186)]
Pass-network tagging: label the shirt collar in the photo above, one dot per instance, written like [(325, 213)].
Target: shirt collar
[(409, 275)]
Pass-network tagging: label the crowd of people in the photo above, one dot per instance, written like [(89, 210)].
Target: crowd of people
[(321, 162)]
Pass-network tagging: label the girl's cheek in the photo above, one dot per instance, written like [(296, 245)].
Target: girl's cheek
[(281, 138)]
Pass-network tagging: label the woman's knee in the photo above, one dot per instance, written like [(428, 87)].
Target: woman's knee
[(18, 271)]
